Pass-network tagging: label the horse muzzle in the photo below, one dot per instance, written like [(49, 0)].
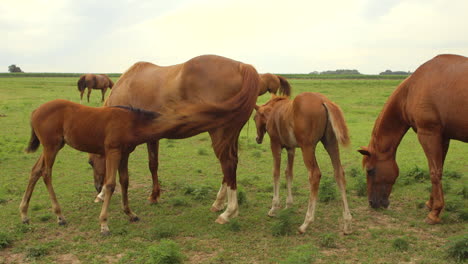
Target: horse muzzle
[(259, 140), (379, 203)]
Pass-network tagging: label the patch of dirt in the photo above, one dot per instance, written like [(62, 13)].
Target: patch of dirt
[(12, 258), (68, 259)]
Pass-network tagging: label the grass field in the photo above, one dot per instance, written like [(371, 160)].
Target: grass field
[(190, 176)]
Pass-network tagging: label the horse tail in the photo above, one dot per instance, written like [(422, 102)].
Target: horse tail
[(285, 87), (33, 142), (337, 122), (82, 83), (111, 83)]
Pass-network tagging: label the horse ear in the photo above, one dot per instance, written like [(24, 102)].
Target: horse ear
[(364, 151)]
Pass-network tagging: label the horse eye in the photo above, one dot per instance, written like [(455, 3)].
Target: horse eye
[(371, 172), (91, 163)]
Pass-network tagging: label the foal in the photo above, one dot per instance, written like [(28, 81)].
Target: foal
[(113, 131), (303, 122)]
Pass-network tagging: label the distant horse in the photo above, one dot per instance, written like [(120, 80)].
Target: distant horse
[(273, 83), (207, 93), (94, 81), (303, 122), (433, 101), (202, 81)]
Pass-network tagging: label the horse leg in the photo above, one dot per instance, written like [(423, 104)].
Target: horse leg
[(49, 159), (314, 175), (153, 153), (275, 203), (36, 173), (89, 92), (435, 149), (445, 147), (81, 95), (289, 176), (331, 145), (112, 163), (225, 145), (123, 177)]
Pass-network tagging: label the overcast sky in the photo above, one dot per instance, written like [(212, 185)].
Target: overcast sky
[(285, 36)]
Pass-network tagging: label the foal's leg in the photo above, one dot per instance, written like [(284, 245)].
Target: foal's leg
[(289, 176), (435, 149), (331, 145), (275, 203), (112, 163), (308, 154), (225, 144), (153, 150), (123, 177), (36, 173), (218, 204), (49, 159), (103, 92)]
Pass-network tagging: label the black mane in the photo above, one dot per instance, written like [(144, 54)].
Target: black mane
[(141, 113)]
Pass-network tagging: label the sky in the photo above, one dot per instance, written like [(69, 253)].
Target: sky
[(285, 36)]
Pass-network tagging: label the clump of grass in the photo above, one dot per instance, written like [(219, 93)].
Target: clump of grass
[(5, 240), (202, 152), (463, 214), (234, 225), (417, 174), (166, 252), (400, 244), (37, 251), (457, 248), (360, 187), (452, 175), (355, 172), (241, 196), (256, 154), (327, 190), (301, 255), (179, 201), (328, 240), (162, 230), (453, 204), (45, 218), (199, 193), (23, 228), (284, 225)]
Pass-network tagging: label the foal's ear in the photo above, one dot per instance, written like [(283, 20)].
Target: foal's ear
[(364, 151)]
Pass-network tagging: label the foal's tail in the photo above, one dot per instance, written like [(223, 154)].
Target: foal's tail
[(33, 142), (338, 124), (82, 83), (285, 87)]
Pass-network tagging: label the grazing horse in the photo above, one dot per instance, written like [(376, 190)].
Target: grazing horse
[(433, 101), (273, 83), (303, 122), (202, 81), (207, 93), (94, 81)]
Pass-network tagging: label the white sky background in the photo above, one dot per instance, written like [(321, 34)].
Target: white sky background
[(293, 36)]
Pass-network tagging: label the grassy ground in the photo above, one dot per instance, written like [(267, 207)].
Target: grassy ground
[(190, 176)]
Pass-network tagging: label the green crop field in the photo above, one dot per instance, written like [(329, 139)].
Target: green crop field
[(182, 228)]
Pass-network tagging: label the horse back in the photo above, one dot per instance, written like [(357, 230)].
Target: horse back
[(437, 92)]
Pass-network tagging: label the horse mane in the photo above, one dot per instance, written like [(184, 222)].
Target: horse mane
[(82, 83), (141, 114)]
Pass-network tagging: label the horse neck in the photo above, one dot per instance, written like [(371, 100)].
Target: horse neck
[(390, 126), (279, 112)]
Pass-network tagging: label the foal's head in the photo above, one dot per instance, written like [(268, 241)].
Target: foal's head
[(263, 114)]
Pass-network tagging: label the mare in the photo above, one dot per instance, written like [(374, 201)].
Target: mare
[(94, 81), (208, 93), (203, 81), (303, 122), (433, 101), (273, 83)]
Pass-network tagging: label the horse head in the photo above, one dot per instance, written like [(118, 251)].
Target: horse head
[(260, 123), (98, 162), (381, 173)]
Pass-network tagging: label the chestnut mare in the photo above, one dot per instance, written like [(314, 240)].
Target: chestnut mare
[(94, 81), (273, 83), (207, 93), (303, 122), (433, 101)]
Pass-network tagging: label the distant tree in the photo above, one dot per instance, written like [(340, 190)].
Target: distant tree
[(14, 68), (341, 71), (389, 72)]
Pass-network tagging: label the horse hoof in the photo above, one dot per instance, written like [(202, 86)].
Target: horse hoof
[(105, 233), (98, 200), (134, 219), (431, 221), (152, 200), (428, 206), (26, 221), (220, 220), (301, 230), (214, 209), (62, 222)]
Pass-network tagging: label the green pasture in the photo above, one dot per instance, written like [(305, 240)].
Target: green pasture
[(182, 228)]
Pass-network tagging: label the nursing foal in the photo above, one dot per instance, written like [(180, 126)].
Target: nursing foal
[(303, 122)]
